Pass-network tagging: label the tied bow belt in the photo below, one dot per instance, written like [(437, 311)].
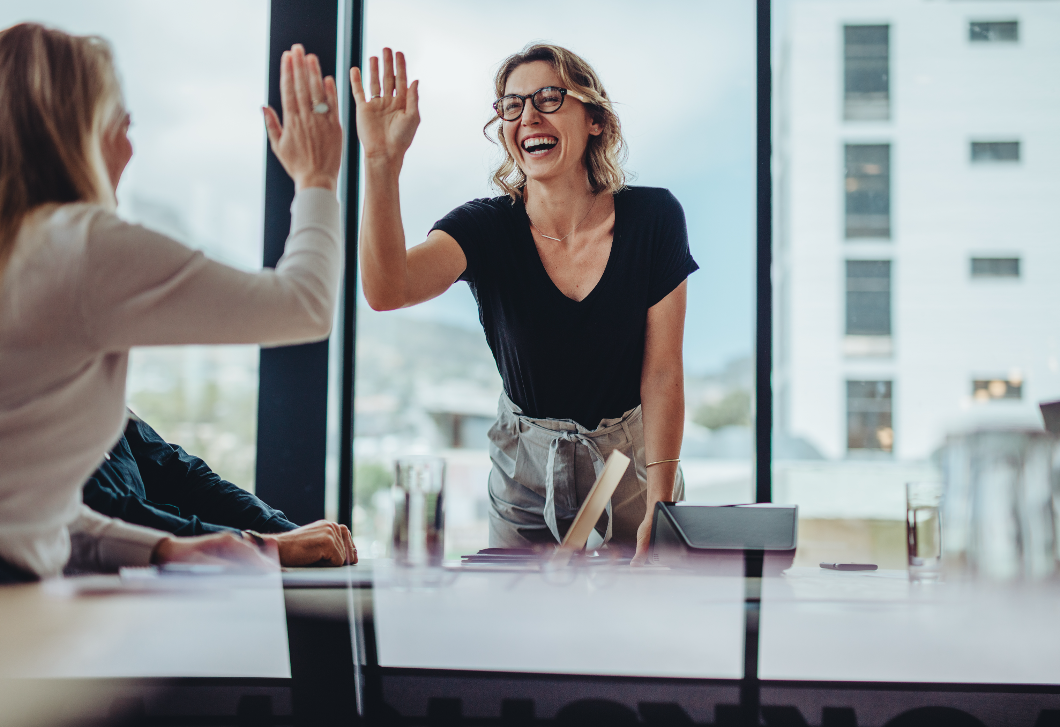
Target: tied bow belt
[(517, 443)]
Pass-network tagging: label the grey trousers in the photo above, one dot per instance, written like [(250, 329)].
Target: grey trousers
[(543, 470)]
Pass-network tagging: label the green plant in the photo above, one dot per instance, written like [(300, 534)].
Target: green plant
[(369, 478), (734, 409)]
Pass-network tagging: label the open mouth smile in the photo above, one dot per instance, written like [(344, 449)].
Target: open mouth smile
[(539, 145)]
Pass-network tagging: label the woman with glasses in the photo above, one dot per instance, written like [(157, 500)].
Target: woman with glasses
[(580, 282)]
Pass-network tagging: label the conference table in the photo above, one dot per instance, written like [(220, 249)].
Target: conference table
[(99, 648), (603, 644), (811, 646)]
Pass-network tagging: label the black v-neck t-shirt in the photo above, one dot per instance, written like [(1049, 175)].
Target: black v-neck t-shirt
[(560, 358)]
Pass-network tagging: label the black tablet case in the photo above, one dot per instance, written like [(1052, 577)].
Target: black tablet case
[(1051, 415), (713, 538)]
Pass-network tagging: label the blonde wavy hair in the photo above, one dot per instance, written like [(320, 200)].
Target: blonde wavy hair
[(58, 93), (604, 155)]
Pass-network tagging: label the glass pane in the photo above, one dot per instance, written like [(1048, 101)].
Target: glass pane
[(995, 267), (868, 298), (194, 85), (947, 322), (995, 151), (868, 190), (993, 32), (426, 379), (866, 85)]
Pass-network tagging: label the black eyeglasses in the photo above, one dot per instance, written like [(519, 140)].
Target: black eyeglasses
[(547, 100)]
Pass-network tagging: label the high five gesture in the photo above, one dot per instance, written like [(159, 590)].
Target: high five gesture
[(387, 121)]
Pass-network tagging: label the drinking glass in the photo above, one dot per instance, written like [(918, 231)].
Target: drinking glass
[(923, 530), (419, 513)]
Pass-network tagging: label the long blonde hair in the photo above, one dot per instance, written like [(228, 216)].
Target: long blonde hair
[(57, 94), (604, 154)]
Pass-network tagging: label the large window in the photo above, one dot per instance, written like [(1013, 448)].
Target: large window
[(867, 187), (866, 76), (868, 298), (995, 267), (869, 427), (995, 151), (426, 380), (194, 83), (993, 31), (917, 302)]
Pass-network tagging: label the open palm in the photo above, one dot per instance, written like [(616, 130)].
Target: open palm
[(386, 123)]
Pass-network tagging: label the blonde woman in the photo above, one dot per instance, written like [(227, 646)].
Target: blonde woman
[(580, 282), (79, 287)]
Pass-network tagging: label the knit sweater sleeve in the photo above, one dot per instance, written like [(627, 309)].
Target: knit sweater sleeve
[(143, 288), (102, 544)]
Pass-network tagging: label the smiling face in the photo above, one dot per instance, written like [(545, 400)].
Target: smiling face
[(547, 147)]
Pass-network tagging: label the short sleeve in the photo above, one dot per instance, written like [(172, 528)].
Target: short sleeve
[(672, 260), (471, 226)]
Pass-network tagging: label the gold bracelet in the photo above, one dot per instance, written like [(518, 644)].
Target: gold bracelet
[(660, 461)]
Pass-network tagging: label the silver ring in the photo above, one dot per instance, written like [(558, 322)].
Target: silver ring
[(378, 95), (321, 108)]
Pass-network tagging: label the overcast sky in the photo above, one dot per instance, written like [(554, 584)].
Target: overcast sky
[(680, 71)]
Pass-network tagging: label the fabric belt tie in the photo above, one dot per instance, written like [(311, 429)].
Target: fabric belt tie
[(550, 476)]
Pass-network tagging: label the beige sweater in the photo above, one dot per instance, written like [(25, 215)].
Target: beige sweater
[(81, 288)]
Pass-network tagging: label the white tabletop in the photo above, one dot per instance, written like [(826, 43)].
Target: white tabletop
[(877, 627), (96, 627), (622, 621)]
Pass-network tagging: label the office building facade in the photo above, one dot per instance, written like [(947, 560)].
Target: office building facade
[(916, 246)]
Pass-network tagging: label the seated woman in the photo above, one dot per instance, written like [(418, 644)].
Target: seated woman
[(147, 481), (79, 287)]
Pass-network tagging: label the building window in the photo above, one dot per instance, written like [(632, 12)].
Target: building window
[(993, 31), (868, 298), (868, 190), (991, 389), (866, 83), (995, 151), (995, 267), (869, 416)]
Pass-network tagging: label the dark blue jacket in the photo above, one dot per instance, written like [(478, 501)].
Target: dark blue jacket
[(149, 482)]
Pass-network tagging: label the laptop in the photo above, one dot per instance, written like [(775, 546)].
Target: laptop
[(578, 533)]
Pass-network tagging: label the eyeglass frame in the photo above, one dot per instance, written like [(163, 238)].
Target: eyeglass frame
[(563, 97)]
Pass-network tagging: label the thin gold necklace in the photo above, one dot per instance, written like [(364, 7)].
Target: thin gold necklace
[(561, 239)]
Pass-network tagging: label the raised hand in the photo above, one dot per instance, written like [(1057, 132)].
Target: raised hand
[(387, 121), (309, 141)]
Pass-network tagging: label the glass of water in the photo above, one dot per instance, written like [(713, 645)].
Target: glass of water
[(923, 530), (419, 513)]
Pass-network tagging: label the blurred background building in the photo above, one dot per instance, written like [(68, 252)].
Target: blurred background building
[(916, 250)]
